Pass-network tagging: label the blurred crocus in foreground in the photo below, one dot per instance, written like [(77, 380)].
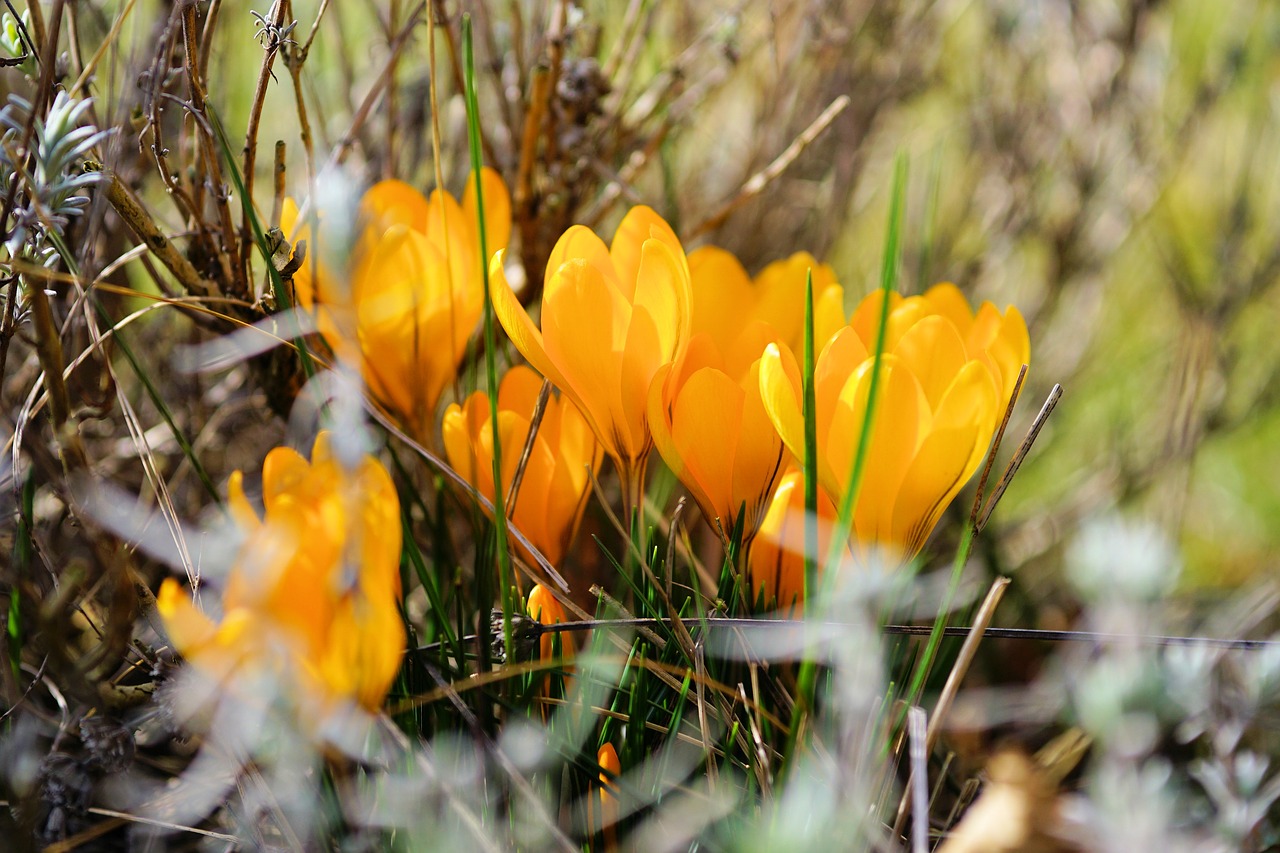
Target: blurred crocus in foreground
[(556, 479), (707, 417), (313, 598), (945, 378), (611, 318), (413, 293)]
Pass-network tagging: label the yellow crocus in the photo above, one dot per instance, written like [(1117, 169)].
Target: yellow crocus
[(413, 294), (776, 563), (707, 417), (611, 318), (313, 597), (542, 606), (945, 377), (610, 769), (741, 316), (557, 477), (716, 437)]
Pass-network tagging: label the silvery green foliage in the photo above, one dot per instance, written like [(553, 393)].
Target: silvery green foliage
[(55, 186), (13, 43)]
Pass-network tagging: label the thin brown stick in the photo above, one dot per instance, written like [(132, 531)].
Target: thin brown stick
[(206, 36), (757, 182), (1023, 450), (555, 59), (279, 173), (954, 679), (538, 100), (107, 41), (229, 257), (144, 227), (294, 60), (626, 33), (535, 422), (995, 448), (250, 150), (393, 102)]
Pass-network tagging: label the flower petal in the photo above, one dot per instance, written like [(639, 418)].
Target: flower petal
[(934, 352), (497, 209), (519, 328), (640, 225), (780, 390)]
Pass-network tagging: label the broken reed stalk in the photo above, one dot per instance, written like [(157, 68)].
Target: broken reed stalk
[(995, 448), (1023, 450), (952, 687), (145, 229)]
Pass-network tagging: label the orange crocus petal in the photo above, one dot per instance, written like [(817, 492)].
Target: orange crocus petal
[(497, 208), (242, 513), (543, 606), (611, 768), (776, 560), (610, 320), (866, 317), (722, 296), (393, 202), (520, 329), (781, 287), (780, 389), (188, 628), (706, 421), (585, 326), (945, 373), (282, 471), (363, 650), (579, 243), (313, 595), (638, 227), (947, 300), (933, 351), (554, 487), (901, 415)]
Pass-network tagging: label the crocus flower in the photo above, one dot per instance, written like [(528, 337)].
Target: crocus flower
[(413, 294), (742, 316), (707, 417), (542, 606), (557, 477), (611, 318), (312, 598), (610, 768), (945, 377), (776, 562)]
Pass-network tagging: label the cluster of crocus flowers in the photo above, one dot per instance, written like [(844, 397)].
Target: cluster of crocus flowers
[(313, 597), (612, 317), (557, 474), (945, 377), (412, 294)]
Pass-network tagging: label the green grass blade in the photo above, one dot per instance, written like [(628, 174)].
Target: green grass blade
[(490, 338), (888, 283), (810, 449)]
